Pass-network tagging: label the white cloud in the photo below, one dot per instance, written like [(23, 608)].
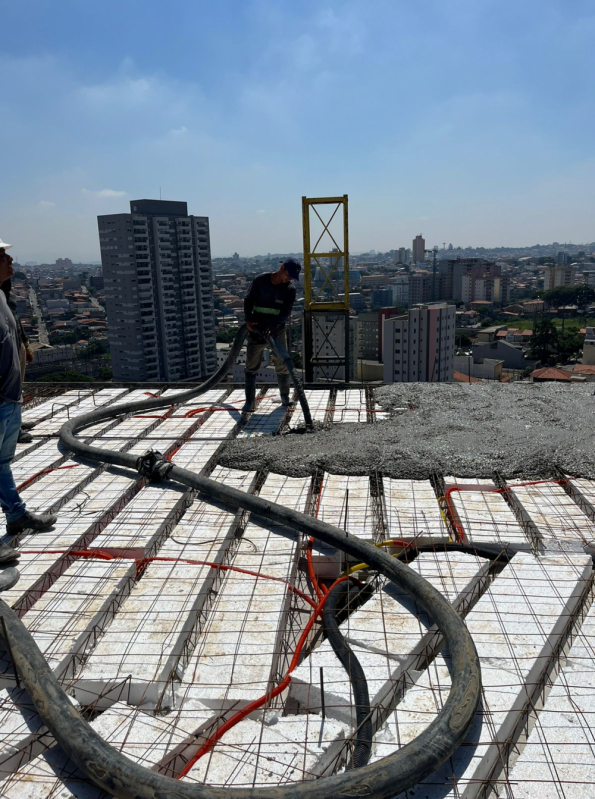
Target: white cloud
[(179, 131), (106, 193), (261, 211), (46, 204)]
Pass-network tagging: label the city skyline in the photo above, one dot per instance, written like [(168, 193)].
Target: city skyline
[(471, 121)]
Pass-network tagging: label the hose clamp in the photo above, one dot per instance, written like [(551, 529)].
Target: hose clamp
[(152, 465)]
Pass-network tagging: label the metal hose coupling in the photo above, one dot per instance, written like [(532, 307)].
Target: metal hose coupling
[(153, 466)]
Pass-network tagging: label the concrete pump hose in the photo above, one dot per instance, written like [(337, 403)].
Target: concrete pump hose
[(122, 778)]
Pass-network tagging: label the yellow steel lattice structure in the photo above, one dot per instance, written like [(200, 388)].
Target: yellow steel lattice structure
[(326, 289), (329, 263)]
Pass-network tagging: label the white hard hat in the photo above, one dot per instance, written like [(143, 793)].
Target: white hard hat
[(4, 245)]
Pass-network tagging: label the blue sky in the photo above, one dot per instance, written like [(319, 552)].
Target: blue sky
[(470, 121)]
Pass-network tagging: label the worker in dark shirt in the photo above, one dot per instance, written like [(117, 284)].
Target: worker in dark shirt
[(17, 517), (267, 307)]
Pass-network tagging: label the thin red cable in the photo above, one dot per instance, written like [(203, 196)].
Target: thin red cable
[(141, 562), (252, 706), (43, 472)]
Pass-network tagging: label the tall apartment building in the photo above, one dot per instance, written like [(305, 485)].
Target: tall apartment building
[(418, 251), (419, 345), (159, 292), (420, 287), (556, 276), (471, 279), (368, 336)]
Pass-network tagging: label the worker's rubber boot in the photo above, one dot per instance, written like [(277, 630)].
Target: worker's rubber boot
[(24, 437), (284, 382), (250, 393)]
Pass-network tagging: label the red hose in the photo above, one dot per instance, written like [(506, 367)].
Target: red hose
[(252, 706)]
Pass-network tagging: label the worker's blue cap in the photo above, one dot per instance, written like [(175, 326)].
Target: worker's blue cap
[(293, 268)]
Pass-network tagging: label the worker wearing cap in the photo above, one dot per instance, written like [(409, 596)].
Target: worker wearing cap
[(17, 517), (267, 307)]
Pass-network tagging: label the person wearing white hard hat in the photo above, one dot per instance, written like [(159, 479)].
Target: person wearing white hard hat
[(18, 518)]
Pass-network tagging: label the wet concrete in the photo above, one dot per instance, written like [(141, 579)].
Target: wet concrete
[(519, 429)]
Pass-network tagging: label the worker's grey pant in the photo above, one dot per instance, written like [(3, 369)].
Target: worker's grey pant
[(254, 349)]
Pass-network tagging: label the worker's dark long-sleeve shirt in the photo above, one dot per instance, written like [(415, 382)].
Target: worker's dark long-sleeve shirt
[(268, 305)]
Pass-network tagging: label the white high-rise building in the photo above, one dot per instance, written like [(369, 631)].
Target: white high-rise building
[(419, 346), (156, 264)]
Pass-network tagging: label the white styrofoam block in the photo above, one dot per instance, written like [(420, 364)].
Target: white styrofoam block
[(318, 402), (486, 517), (346, 502), (412, 509), (139, 652), (65, 618), (240, 641), (54, 405), (350, 406), (515, 627), (53, 487), (195, 454), (386, 634), (143, 518), (554, 512), (142, 737), (39, 459), (251, 754), (104, 397), (557, 759)]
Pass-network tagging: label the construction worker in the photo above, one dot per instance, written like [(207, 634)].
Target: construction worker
[(17, 517), (267, 307)]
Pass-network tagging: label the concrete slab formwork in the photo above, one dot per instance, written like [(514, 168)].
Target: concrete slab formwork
[(390, 636), (286, 750), (554, 513), (241, 642), (516, 626), (319, 404), (52, 425), (142, 737), (350, 406), (411, 509), (485, 515), (558, 760)]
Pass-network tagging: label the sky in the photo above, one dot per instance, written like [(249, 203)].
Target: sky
[(469, 121)]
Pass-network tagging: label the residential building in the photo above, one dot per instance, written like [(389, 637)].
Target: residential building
[(400, 287), (512, 355), (384, 313), (159, 292), (418, 251), (381, 296), (590, 279), (368, 336), (556, 276), (589, 347), (420, 287), (481, 368), (419, 345), (562, 258), (403, 255)]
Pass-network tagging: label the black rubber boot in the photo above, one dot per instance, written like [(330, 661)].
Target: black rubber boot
[(24, 437), (31, 522), (250, 393), (284, 382)]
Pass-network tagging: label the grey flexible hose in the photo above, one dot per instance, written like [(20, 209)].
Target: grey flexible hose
[(122, 778), (359, 685)]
